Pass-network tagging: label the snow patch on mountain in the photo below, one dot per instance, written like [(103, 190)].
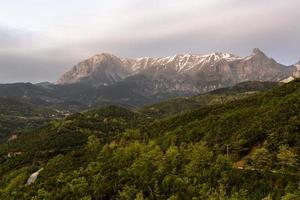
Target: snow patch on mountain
[(287, 80), (202, 71), (181, 62)]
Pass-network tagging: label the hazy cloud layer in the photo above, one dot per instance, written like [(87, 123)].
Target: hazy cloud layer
[(39, 40)]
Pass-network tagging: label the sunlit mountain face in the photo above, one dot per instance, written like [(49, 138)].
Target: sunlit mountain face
[(193, 73)]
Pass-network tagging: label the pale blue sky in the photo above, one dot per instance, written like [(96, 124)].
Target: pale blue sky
[(40, 39)]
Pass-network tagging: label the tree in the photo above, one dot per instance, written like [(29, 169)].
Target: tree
[(78, 187), (139, 196), (200, 158), (290, 196), (42, 195), (287, 159), (93, 145), (128, 192), (261, 159), (173, 157)]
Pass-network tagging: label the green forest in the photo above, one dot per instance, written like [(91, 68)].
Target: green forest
[(226, 145)]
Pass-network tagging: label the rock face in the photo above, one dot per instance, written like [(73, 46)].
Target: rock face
[(181, 73), (297, 65), (33, 177), (287, 80), (102, 69)]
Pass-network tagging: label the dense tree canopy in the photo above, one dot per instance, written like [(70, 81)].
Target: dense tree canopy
[(246, 148)]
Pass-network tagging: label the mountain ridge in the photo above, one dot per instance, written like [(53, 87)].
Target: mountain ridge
[(106, 78), (188, 73)]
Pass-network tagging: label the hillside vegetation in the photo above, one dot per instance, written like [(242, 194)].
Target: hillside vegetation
[(16, 115), (243, 148), (30, 106), (219, 96)]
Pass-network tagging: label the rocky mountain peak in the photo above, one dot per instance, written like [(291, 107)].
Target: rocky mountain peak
[(103, 57), (220, 55), (259, 52), (100, 69), (204, 72)]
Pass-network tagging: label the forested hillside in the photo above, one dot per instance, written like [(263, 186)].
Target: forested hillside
[(16, 115), (30, 106), (243, 148), (219, 96)]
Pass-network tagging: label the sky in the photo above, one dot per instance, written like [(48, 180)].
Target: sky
[(42, 39)]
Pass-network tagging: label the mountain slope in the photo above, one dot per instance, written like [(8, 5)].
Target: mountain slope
[(297, 65), (114, 153), (219, 96), (107, 79), (43, 102), (78, 97), (102, 69), (16, 115), (183, 73)]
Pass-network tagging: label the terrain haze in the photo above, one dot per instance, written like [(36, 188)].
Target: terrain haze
[(44, 40)]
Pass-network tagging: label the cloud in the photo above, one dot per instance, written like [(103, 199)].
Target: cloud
[(49, 41), (13, 38), (234, 26), (29, 68)]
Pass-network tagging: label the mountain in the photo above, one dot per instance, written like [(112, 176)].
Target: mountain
[(102, 69), (187, 74), (247, 148), (296, 74), (77, 97), (219, 96), (297, 65), (107, 79), (45, 95)]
